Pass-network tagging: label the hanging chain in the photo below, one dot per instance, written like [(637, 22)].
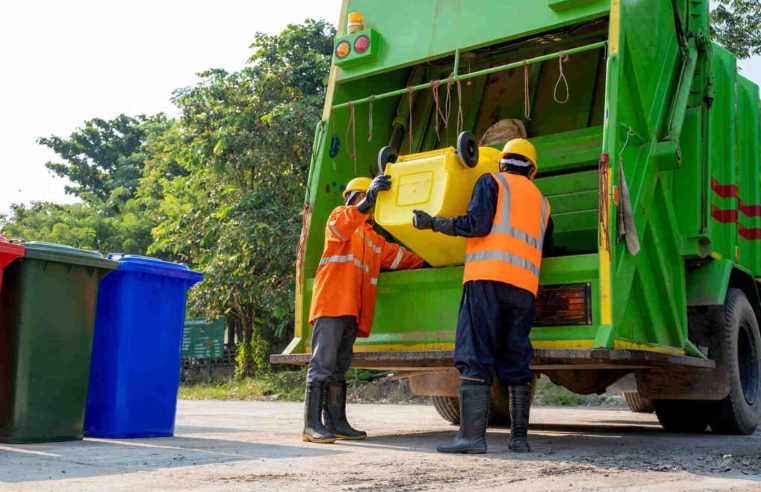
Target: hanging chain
[(562, 79), (410, 90), (438, 114), (448, 104), (351, 125)]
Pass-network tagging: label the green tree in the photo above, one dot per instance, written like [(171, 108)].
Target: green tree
[(244, 139), (103, 162), (736, 25), (104, 155)]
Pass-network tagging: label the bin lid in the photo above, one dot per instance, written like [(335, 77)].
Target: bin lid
[(61, 253), (10, 249), (146, 264)]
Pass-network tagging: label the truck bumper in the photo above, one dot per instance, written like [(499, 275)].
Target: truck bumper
[(545, 359)]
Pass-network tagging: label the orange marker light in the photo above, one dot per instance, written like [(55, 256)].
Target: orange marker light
[(361, 44), (343, 49), (355, 22)]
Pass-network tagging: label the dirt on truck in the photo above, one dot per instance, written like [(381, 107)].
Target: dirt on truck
[(647, 141)]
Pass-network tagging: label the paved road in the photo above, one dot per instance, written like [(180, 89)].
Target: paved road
[(256, 445)]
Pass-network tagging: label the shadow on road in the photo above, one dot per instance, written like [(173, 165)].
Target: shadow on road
[(99, 457)]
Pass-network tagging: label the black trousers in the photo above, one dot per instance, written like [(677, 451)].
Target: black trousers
[(492, 334), (332, 348)]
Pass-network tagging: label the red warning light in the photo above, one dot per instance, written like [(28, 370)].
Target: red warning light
[(361, 44)]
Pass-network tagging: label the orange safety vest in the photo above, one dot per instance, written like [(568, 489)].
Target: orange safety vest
[(347, 278), (512, 251)]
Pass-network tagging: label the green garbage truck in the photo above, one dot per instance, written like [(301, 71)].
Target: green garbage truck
[(648, 144)]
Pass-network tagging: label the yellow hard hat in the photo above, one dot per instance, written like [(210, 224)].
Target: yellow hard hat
[(523, 147), (357, 184)]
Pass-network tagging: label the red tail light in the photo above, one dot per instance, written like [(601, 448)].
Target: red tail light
[(566, 304)]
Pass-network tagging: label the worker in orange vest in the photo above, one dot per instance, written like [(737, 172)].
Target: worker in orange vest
[(508, 227), (343, 305)]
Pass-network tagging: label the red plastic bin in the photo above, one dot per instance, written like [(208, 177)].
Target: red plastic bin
[(8, 253)]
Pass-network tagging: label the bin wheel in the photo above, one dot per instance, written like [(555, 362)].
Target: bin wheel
[(385, 155), (682, 416), (739, 413), (467, 149), (637, 403)]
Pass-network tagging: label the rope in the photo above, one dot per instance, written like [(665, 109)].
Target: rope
[(435, 85), (410, 90), (351, 125), (526, 95), (563, 79), (448, 104), (460, 119), (370, 101)]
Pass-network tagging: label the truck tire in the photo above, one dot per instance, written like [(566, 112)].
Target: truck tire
[(739, 413), (637, 403), (499, 405), (682, 416), (448, 407)]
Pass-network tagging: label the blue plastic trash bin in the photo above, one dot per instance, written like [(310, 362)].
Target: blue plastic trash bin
[(135, 372)]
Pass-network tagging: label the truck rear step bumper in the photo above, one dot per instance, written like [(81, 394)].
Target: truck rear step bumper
[(544, 359)]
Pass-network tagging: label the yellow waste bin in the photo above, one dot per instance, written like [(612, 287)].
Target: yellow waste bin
[(438, 183)]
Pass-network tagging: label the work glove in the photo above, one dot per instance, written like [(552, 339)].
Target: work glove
[(380, 183), (423, 220)]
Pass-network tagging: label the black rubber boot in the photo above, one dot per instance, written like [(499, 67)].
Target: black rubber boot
[(314, 431), (520, 404), (335, 413), (474, 416)]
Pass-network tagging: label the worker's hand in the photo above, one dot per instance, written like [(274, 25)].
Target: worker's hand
[(380, 183), (422, 220)]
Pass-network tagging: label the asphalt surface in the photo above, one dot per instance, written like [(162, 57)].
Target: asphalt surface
[(257, 445)]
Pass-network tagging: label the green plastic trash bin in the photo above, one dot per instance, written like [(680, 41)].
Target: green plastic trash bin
[(47, 315)]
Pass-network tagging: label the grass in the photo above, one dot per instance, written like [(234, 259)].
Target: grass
[(550, 394), (275, 385), (289, 386)]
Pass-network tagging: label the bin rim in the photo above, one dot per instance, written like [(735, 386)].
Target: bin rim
[(11, 249), (61, 253), (156, 266)]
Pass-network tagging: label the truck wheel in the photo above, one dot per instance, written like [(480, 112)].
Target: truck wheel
[(637, 403), (740, 411), (682, 416), (467, 149), (499, 405), (448, 407)]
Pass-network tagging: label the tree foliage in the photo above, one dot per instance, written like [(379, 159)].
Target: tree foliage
[(104, 155), (736, 25), (244, 139)]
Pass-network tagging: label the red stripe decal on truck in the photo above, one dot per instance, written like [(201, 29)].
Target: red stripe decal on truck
[(732, 191), (733, 216)]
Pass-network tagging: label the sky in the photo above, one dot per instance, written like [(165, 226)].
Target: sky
[(63, 62)]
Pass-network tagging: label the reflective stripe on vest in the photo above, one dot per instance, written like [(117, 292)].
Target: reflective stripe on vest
[(372, 245), (397, 259), (338, 234), (504, 227), (515, 241), (503, 256), (345, 259)]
